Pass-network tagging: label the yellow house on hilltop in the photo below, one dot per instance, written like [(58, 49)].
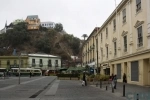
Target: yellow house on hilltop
[(33, 22)]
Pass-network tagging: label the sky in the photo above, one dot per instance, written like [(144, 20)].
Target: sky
[(77, 16)]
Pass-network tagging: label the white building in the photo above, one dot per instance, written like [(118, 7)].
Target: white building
[(48, 24), (44, 61)]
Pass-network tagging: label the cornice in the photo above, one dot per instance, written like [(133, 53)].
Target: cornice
[(138, 23)]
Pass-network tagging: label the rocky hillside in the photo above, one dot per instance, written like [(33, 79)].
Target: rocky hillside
[(44, 40)]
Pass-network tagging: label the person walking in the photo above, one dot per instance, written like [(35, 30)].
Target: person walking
[(112, 81), (124, 78), (84, 79), (115, 81)]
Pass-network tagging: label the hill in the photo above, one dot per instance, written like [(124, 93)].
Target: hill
[(47, 41)]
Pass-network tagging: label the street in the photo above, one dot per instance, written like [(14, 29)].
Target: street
[(49, 88)]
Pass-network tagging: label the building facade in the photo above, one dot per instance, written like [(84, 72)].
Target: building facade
[(9, 62), (44, 61), (48, 24), (123, 43), (33, 22)]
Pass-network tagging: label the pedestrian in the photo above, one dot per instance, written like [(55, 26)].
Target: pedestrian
[(115, 81), (30, 74), (84, 79), (112, 81), (124, 78)]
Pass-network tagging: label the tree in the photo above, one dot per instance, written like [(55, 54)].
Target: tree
[(43, 45), (58, 27), (84, 36)]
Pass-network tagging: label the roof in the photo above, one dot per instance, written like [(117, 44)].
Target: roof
[(43, 55), (32, 16), (47, 22)]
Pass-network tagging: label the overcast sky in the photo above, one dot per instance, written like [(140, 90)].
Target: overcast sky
[(77, 16)]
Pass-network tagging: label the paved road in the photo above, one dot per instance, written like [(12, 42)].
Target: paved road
[(49, 88)]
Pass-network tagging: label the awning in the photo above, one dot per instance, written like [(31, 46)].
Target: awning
[(91, 64)]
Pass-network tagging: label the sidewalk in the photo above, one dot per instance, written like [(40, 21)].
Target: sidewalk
[(73, 90), (129, 88)]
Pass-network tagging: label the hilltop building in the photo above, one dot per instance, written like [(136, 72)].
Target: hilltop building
[(33, 22)]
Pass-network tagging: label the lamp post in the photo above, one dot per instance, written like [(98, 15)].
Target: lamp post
[(19, 70)]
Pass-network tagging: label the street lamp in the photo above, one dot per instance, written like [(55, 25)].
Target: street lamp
[(19, 69)]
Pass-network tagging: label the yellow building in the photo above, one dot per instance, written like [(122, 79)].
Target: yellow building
[(33, 22), (123, 43), (13, 61)]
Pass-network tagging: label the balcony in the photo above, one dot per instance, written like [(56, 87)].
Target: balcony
[(41, 65), (49, 65), (56, 65), (33, 64)]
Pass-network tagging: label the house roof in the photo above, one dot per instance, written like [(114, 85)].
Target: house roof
[(32, 16), (43, 55)]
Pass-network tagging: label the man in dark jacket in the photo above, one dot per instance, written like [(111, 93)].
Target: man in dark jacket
[(84, 79)]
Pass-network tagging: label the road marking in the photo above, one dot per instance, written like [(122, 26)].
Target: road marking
[(53, 89), (32, 80), (8, 87), (11, 86)]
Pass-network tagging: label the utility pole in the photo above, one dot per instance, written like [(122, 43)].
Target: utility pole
[(19, 70)]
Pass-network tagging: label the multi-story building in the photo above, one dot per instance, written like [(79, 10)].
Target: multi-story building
[(48, 24), (89, 56), (33, 22), (9, 62), (124, 42), (44, 61)]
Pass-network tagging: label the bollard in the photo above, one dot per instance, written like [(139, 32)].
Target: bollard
[(112, 89), (106, 87), (100, 84), (137, 96), (123, 90)]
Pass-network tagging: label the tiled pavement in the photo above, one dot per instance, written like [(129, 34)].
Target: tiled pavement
[(72, 90)]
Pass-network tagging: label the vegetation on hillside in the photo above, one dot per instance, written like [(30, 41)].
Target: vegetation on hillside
[(44, 40)]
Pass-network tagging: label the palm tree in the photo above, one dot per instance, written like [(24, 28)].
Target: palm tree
[(84, 36)]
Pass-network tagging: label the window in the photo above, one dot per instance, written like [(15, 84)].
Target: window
[(49, 63), (125, 43), (33, 62), (106, 33), (102, 54), (124, 15), (101, 37), (8, 62), (106, 52), (140, 36), (41, 63), (114, 23), (42, 24), (21, 63), (115, 48), (56, 63), (15, 62), (138, 5)]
